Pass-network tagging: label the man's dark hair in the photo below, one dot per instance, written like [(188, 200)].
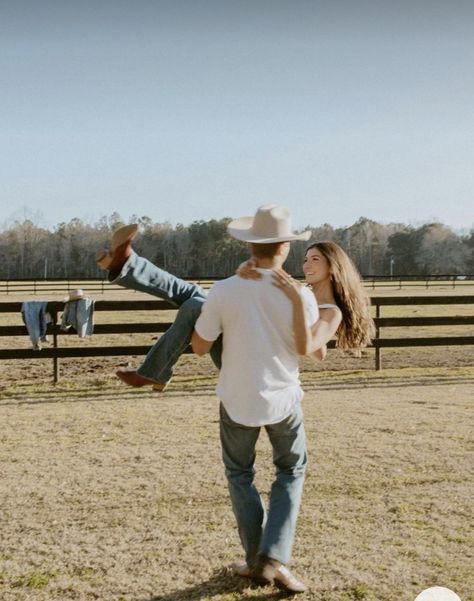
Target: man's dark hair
[(265, 251)]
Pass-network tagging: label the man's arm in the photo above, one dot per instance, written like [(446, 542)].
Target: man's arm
[(207, 327), (199, 345)]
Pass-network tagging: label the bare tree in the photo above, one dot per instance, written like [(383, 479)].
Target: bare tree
[(204, 248)]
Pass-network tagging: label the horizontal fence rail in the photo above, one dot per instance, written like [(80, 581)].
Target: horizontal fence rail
[(63, 286), (56, 352), (383, 322), (94, 285)]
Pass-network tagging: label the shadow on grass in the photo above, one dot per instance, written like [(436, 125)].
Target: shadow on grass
[(224, 584), (90, 394)]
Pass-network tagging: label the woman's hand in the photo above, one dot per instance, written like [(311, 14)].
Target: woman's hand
[(285, 282), (247, 270)]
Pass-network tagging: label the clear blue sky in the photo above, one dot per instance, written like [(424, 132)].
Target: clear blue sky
[(184, 110)]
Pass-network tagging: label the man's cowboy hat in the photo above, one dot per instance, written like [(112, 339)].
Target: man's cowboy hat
[(74, 295), (272, 223)]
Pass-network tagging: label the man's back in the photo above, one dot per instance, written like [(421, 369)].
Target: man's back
[(258, 382)]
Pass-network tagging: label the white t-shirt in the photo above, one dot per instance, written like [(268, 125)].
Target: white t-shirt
[(259, 379)]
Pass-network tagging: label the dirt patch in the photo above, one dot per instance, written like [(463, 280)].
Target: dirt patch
[(118, 494)]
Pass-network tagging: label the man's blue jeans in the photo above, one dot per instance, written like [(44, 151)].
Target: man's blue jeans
[(140, 274), (268, 534)]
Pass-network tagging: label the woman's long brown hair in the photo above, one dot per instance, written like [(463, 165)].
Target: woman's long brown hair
[(357, 326)]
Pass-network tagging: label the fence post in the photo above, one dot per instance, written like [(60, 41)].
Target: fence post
[(378, 350)]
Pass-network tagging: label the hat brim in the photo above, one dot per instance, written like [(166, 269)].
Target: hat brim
[(241, 230)]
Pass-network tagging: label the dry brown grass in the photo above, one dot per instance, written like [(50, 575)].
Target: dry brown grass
[(118, 494)]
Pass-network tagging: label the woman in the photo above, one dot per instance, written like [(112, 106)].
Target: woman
[(343, 304)]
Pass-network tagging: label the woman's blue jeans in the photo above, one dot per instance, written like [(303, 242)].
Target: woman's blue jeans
[(272, 533), (140, 274)]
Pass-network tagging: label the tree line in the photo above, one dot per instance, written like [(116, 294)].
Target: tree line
[(204, 249)]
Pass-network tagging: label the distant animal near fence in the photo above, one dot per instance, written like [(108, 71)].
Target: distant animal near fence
[(62, 285), (119, 307)]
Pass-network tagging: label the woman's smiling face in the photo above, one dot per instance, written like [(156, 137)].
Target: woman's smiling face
[(315, 267)]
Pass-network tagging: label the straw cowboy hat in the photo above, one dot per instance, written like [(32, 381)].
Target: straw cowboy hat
[(271, 223), (74, 295)]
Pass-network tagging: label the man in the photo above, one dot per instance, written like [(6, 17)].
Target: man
[(259, 387)]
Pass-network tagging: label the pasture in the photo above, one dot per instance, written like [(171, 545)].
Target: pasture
[(118, 494)]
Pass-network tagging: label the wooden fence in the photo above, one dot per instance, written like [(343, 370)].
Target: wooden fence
[(429, 281), (62, 286), (396, 322), (101, 286), (379, 343)]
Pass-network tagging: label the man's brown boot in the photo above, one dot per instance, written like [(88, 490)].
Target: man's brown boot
[(240, 568), (271, 571)]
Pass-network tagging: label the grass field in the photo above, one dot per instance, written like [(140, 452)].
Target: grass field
[(118, 494)]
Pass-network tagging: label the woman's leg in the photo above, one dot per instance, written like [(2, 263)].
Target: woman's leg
[(129, 270), (140, 274), (159, 362)]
